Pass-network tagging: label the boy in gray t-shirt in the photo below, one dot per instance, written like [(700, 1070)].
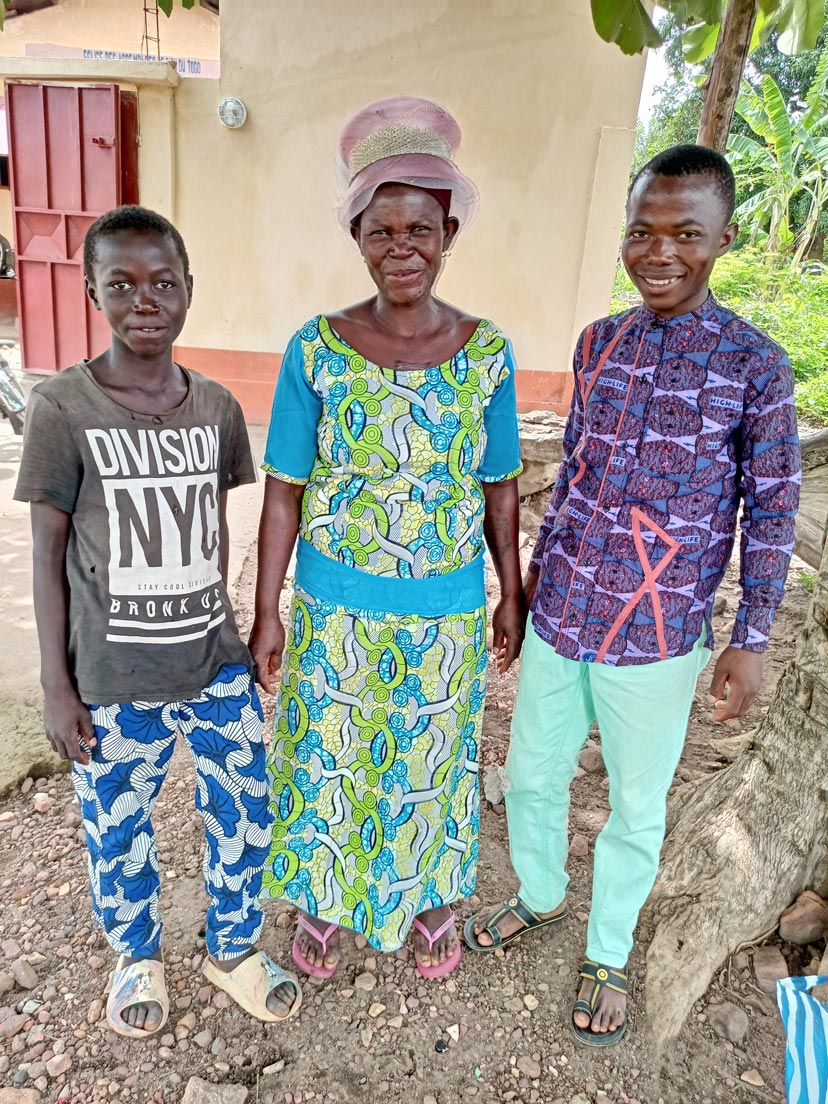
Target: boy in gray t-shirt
[(126, 464)]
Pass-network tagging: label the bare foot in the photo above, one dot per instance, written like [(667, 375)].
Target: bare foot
[(609, 1011), (311, 948), (508, 925), (443, 947), (279, 1000), (145, 1016)]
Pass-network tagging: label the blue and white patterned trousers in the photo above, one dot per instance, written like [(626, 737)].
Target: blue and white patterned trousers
[(117, 792)]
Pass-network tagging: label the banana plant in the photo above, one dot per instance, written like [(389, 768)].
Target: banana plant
[(785, 159), (627, 23)]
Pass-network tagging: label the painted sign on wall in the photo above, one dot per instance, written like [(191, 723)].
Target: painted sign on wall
[(187, 67)]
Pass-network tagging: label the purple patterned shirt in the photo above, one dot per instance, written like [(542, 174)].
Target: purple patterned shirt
[(672, 422)]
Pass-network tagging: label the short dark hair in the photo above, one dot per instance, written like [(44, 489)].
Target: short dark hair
[(130, 219), (693, 161)]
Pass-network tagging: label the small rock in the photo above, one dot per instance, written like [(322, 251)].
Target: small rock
[(6, 982), (531, 1001), (493, 784), (805, 920), (741, 961), (753, 1077), (728, 1020), (579, 846), (376, 1009), (24, 975), (61, 1063), (396, 1022), (820, 992), (71, 817), (203, 1039), (19, 1096), (10, 948), (366, 1035), (274, 1067), (366, 982), (529, 1067), (769, 966), (42, 803), (95, 1011), (579, 1098), (204, 1092), (453, 1032), (12, 1026), (429, 1099), (591, 759)]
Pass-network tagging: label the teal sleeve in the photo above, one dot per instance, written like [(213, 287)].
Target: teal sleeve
[(292, 437), (501, 459)]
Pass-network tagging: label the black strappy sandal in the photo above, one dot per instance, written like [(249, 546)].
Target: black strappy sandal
[(514, 905), (603, 977)]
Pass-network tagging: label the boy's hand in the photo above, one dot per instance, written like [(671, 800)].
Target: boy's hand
[(67, 721), (737, 680), (266, 644), (508, 630)]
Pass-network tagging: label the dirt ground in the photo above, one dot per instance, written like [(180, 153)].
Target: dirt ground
[(496, 1031)]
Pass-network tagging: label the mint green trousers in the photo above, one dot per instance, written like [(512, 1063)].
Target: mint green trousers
[(642, 713)]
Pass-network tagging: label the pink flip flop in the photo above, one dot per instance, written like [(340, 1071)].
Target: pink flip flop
[(431, 973), (320, 937)]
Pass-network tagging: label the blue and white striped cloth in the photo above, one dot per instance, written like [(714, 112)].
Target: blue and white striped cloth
[(806, 1033)]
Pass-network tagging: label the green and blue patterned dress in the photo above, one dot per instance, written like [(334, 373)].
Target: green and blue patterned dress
[(375, 754)]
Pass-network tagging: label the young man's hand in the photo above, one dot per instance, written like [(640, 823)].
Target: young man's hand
[(737, 680), (530, 585), (67, 721), (266, 644)]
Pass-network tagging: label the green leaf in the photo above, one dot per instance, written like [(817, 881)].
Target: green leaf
[(699, 42), (695, 11), (762, 28), (626, 23), (799, 24), (751, 150), (188, 3), (780, 122), (816, 98), (166, 6)]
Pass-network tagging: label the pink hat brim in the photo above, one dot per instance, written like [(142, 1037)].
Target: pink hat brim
[(420, 170)]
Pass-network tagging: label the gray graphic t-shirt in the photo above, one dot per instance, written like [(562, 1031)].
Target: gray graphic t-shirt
[(149, 615)]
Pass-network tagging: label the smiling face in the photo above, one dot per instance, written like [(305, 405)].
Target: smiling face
[(677, 226), (140, 286), (402, 235)]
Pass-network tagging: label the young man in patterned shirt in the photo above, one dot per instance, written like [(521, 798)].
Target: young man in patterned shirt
[(681, 409)]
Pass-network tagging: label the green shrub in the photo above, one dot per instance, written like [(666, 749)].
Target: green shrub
[(790, 306)]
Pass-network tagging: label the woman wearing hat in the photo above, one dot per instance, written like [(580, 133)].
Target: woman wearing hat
[(393, 450)]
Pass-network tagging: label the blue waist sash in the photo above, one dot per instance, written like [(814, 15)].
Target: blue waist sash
[(460, 591)]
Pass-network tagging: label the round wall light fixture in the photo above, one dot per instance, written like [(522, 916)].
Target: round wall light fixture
[(232, 112)]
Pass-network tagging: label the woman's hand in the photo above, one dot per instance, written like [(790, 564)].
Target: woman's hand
[(266, 644), (508, 630)]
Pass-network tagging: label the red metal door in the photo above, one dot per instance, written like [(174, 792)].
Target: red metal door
[(65, 155)]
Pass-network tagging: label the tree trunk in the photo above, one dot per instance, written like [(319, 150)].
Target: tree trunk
[(722, 86), (750, 840)]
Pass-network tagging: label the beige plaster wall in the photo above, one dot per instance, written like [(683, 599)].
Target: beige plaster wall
[(111, 25), (548, 115)]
